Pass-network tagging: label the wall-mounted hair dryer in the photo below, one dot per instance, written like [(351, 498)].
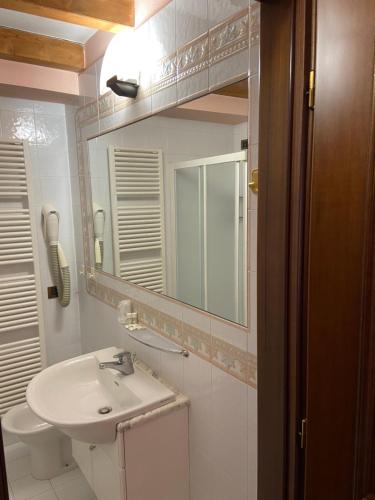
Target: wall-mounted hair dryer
[(59, 266), (99, 220)]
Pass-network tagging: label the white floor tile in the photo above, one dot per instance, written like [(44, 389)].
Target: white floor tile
[(47, 495), (78, 489), (28, 487), (66, 478), (11, 496), (18, 468)]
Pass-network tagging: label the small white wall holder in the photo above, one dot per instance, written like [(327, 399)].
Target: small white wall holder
[(88, 274), (129, 320)]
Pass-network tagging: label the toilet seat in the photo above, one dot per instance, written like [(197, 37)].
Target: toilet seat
[(22, 421)]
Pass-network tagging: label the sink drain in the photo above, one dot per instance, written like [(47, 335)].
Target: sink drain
[(105, 410)]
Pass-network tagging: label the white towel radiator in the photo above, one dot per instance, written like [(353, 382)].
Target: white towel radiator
[(137, 204), (20, 311)]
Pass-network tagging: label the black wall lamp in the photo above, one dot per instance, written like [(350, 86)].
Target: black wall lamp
[(124, 88)]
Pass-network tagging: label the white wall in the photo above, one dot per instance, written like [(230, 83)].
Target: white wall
[(43, 126)]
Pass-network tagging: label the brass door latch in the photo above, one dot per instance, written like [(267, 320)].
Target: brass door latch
[(253, 184)]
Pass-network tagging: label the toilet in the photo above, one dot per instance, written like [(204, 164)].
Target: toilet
[(50, 450)]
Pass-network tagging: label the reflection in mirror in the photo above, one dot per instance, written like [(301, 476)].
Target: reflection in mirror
[(169, 200)]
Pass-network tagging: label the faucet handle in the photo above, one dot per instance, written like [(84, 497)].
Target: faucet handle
[(121, 355)]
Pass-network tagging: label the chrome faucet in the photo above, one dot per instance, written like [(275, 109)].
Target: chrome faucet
[(123, 363)]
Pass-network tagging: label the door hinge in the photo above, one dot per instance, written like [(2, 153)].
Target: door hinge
[(311, 92), (302, 433)]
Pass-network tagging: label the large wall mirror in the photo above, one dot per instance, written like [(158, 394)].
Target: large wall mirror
[(169, 197)]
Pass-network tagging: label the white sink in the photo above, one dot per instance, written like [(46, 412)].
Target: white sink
[(70, 394)]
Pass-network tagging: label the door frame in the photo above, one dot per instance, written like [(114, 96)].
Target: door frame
[(287, 40)]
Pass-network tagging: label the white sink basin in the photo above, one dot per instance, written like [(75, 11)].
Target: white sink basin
[(70, 394)]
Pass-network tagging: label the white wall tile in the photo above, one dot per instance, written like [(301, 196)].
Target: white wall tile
[(229, 333), (252, 405), (163, 32), (201, 476), (49, 108), (192, 86), (17, 104), (197, 320), (52, 145), (198, 387), (164, 98), (236, 66), (88, 84), (191, 20), (171, 369), (163, 44), (230, 428), (219, 10), (19, 125)]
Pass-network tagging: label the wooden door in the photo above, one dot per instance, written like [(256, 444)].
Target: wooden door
[(339, 333)]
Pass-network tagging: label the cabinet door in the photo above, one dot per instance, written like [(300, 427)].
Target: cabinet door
[(82, 455), (108, 478), (157, 459)]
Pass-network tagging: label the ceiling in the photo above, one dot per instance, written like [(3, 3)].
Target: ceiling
[(45, 26), (60, 34)]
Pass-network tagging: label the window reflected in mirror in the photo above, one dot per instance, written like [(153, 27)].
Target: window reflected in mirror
[(169, 197)]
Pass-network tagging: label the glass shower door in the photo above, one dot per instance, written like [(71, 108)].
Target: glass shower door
[(210, 234)]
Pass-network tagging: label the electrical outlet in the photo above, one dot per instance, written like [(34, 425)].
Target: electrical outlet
[(52, 292)]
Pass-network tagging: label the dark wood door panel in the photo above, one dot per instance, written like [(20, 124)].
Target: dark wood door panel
[(341, 175)]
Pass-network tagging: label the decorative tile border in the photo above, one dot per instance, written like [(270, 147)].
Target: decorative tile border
[(229, 37), (224, 40), (165, 73), (229, 358), (193, 57)]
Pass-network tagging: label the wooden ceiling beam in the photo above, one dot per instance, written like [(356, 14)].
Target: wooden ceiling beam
[(42, 50), (104, 15)]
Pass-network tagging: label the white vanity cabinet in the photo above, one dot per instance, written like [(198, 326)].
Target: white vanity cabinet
[(148, 460)]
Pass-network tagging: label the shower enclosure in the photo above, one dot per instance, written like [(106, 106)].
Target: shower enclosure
[(209, 201)]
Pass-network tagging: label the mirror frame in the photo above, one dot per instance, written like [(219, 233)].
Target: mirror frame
[(165, 295), (235, 351), (89, 252)]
